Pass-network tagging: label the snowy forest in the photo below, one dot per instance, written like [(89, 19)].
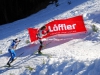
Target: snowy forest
[(12, 10)]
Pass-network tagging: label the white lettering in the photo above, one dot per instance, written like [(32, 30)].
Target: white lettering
[(65, 27), (50, 29), (55, 28), (73, 26), (69, 27), (62, 27)]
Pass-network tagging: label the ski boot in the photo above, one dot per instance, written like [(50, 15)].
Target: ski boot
[(39, 52), (9, 64)]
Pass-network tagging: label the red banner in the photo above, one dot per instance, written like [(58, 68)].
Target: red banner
[(66, 26), (32, 33)]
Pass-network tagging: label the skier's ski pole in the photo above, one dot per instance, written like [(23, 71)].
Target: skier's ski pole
[(19, 55)]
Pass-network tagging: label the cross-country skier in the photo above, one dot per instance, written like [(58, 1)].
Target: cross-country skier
[(41, 32), (11, 49)]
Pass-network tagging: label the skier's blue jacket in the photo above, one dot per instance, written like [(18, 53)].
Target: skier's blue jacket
[(11, 50)]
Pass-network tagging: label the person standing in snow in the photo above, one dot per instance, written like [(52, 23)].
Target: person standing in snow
[(11, 51), (41, 32), (56, 2), (69, 2)]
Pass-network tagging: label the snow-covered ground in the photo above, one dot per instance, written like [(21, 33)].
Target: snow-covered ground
[(71, 54)]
